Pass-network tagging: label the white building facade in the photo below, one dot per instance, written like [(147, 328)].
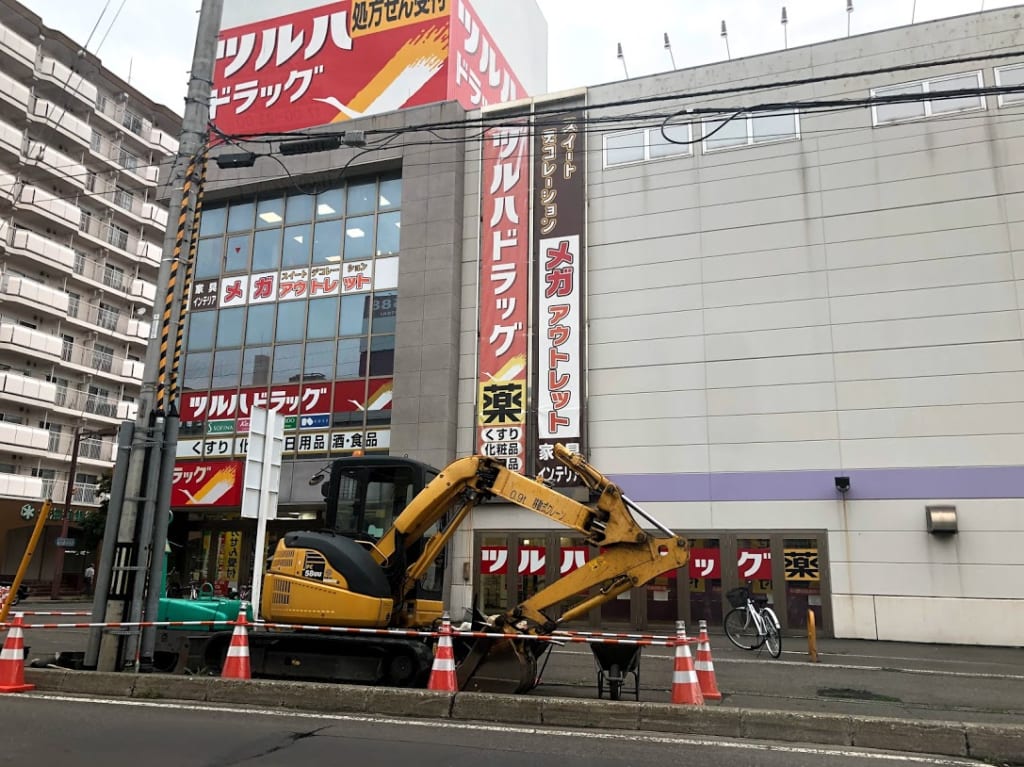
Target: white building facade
[(80, 244), (803, 338)]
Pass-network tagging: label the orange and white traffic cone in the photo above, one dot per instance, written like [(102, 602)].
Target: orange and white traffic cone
[(12, 660), (705, 666), (236, 664), (442, 673), (685, 687)]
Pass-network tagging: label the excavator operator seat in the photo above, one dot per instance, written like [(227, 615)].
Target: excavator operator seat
[(346, 557)]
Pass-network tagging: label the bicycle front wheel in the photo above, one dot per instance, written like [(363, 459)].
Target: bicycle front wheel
[(772, 639), (741, 629)]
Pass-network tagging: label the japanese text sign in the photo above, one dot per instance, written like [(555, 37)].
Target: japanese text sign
[(207, 483)]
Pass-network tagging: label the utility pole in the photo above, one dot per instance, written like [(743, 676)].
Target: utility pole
[(58, 565), (145, 457)]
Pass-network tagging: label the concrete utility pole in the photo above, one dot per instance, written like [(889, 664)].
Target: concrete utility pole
[(145, 458)]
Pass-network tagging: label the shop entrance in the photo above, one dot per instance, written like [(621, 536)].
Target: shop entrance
[(790, 569)]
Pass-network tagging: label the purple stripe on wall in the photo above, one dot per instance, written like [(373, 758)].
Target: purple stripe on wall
[(934, 483)]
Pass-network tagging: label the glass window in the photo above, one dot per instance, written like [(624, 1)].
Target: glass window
[(266, 250), (299, 208), (327, 241), (237, 257), (385, 307), (959, 83), (256, 366), (259, 326), (226, 364), (389, 232), (322, 321), (198, 366), (773, 127), (382, 355), (296, 246), (1010, 77), (229, 327), (291, 320), (331, 203), (659, 147), (910, 110), (354, 316), (390, 193), (319, 365), (362, 197), (358, 237), (240, 217), (719, 134), (208, 255), (269, 212), (200, 330), (349, 355), (620, 148), (287, 364), (212, 221)]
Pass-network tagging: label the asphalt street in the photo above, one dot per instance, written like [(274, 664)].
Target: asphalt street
[(919, 681), (42, 728)]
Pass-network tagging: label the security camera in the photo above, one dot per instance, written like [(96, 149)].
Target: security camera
[(842, 484)]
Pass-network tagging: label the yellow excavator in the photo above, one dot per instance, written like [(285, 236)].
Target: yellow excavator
[(380, 562)]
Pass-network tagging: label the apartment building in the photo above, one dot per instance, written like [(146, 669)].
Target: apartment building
[(80, 245)]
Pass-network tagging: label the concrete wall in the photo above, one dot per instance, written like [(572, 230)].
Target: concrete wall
[(849, 302)]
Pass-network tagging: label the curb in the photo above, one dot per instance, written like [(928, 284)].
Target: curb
[(993, 743)]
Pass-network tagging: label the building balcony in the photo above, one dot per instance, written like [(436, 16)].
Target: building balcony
[(144, 290), (14, 94), (132, 369), (82, 401), (67, 80), (21, 486), (81, 493), (138, 329), (150, 252), (150, 173), (57, 164), (92, 358), (49, 206), (17, 48), (61, 121), (163, 141), (154, 214), (109, 234), (29, 341), (41, 249), (96, 316), (89, 448), (12, 140), (23, 437), (41, 297), (108, 276), (15, 385), (7, 186)]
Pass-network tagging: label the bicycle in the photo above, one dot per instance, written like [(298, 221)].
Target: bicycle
[(752, 623)]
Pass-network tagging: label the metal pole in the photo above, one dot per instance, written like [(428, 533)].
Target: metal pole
[(104, 568), (58, 565), (192, 137)]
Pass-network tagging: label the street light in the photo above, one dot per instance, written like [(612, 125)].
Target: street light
[(58, 566)]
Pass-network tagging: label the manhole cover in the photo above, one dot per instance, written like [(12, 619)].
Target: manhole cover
[(847, 693)]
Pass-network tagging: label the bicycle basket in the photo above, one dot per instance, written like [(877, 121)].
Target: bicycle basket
[(737, 597)]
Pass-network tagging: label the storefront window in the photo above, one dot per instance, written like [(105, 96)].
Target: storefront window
[(236, 259), (287, 364), (266, 250), (256, 366), (296, 247), (229, 326), (358, 238)]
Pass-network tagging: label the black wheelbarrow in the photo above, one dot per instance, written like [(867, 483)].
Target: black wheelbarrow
[(615, 663)]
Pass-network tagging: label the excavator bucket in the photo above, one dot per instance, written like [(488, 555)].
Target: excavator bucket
[(498, 666)]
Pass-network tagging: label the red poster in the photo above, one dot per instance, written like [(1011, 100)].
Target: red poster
[(207, 483), (329, 64), (504, 293), (754, 565), (350, 396), (479, 74), (290, 399), (706, 563)]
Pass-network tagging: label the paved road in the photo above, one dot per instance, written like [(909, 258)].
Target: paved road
[(973, 684), (95, 732)]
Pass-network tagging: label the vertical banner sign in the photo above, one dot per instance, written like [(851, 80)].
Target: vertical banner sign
[(559, 214), (504, 296)]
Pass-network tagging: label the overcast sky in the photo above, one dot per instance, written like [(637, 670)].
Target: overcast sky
[(153, 41)]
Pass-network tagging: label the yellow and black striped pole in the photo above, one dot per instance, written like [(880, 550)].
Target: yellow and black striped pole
[(186, 288), (165, 322)]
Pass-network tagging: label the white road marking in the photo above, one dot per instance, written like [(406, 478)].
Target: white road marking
[(840, 666), (631, 736)]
